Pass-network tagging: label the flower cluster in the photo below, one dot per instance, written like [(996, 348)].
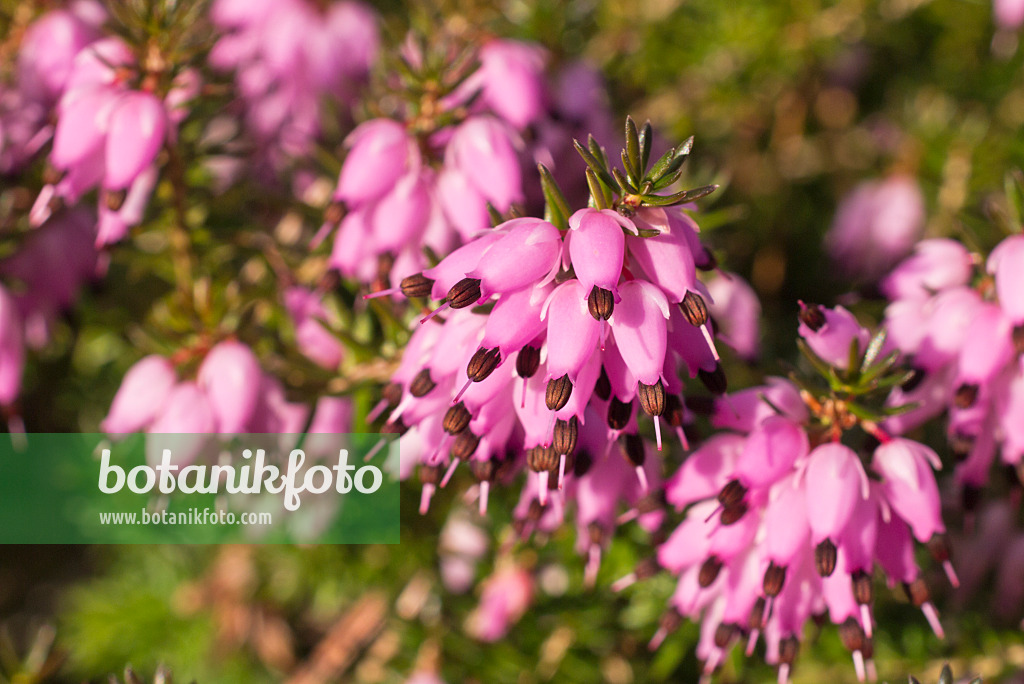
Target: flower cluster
[(787, 514), (550, 340), (230, 394), (114, 112), (959, 321), (287, 58), (436, 174)]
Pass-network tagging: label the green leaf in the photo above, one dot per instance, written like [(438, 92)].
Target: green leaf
[(624, 183), (555, 203), (900, 410), (661, 166), (646, 136), (679, 197), (946, 677), (872, 373), (874, 347), (495, 215), (596, 150), (631, 155), (648, 232), (597, 196), (853, 364), (820, 365), (864, 413), (600, 170)]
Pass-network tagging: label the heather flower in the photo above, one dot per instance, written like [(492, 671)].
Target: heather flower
[(287, 58), (579, 332), (956, 319), (311, 337), (784, 521), (505, 597), (875, 226), (737, 311)]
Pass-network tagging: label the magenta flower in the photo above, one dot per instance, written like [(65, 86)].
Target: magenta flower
[(230, 377), (12, 349), (143, 394)]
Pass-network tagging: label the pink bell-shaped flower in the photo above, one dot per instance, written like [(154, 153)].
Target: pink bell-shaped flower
[(230, 376), (143, 393), (596, 248), (573, 333), (908, 484), (382, 152), (138, 126), (638, 325), (835, 479)]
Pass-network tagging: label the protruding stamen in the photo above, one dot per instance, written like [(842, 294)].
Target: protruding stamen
[(657, 431), (422, 384), (561, 471), (932, 616), (485, 490), (825, 558), (865, 619), (652, 398), (417, 285), (456, 419), (694, 309), (601, 303), (483, 363), (542, 485), (444, 305), (593, 565), (465, 293), (711, 342), (382, 293), (642, 476), (527, 361), (557, 393), (624, 582), (858, 665), (373, 452), (783, 668), (375, 412), (947, 565), (458, 397), (448, 473), (425, 496), (752, 643)]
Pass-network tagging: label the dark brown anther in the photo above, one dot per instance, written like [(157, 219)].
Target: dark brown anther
[(603, 388), (601, 303), (812, 316), (534, 512), (670, 621), (114, 199), (725, 633), (732, 494), (417, 285), (917, 592), (705, 260), (863, 588), (695, 311), (464, 293), (709, 572), (647, 568), (519, 526), (733, 514), (385, 262), (971, 497), (961, 445), (430, 475), (464, 445), (916, 377), (596, 533), (825, 558), (703, 406), (422, 384), (392, 394), (774, 579), (557, 394), (675, 414), (334, 212), (965, 396), (938, 546), (1018, 339), (483, 471), (542, 459), (456, 419), (714, 380), (565, 434), (393, 427), (483, 363), (652, 398), (527, 361), (582, 462), (650, 502), (757, 617), (634, 448), (789, 647), (619, 413), (852, 635)]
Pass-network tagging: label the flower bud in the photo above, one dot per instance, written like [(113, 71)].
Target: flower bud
[(142, 394)]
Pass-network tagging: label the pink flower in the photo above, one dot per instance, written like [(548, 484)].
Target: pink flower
[(230, 377), (506, 596), (12, 349), (830, 333), (142, 396)]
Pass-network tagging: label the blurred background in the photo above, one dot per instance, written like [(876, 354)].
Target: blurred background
[(792, 105)]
